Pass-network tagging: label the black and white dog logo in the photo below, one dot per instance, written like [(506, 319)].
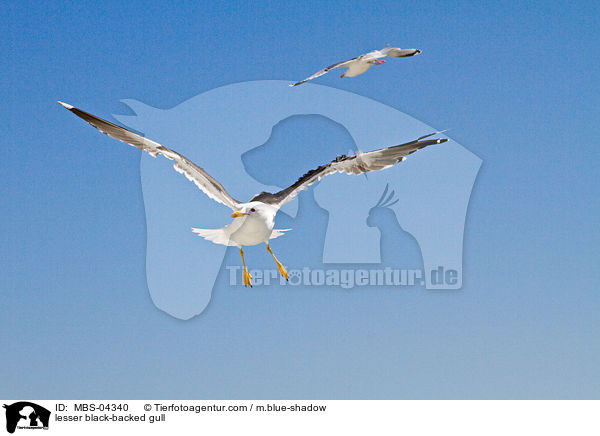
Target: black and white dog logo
[(24, 414)]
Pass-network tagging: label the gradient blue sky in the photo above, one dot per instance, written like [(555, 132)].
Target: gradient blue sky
[(516, 82)]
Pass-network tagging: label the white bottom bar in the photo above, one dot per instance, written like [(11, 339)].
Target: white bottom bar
[(159, 417)]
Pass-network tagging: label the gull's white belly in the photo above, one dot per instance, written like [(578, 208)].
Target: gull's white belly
[(252, 231), (357, 68)]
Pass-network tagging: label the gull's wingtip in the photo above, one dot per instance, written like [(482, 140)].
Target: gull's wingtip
[(431, 134), (68, 106)]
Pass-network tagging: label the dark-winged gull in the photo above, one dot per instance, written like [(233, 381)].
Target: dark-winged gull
[(254, 220)]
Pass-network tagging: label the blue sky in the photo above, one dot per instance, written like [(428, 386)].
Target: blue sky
[(516, 83)]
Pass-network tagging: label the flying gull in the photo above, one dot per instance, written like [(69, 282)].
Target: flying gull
[(362, 63), (254, 220)]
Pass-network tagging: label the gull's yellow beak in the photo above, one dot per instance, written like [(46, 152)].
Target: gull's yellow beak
[(237, 214)]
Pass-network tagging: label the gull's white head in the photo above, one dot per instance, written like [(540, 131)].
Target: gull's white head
[(256, 209)]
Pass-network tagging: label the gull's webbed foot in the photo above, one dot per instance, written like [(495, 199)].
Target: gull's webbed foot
[(247, 278), (282, 271), (280, 267)]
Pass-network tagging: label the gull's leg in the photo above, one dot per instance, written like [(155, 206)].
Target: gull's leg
[(247, 276), (280, 267), (378, 62)]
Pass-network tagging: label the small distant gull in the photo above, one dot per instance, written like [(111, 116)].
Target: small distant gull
[(254, 220), (362, 63)]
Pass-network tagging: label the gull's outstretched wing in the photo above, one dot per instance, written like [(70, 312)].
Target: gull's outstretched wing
[(325, 70), (400, 52), (193, 172), (357, 164)]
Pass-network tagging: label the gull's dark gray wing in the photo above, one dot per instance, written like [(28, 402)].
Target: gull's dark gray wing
[(193, 172), (325, 70), (357, 164)]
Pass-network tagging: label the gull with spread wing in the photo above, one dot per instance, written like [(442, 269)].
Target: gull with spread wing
[(362, 63), (254, 220)]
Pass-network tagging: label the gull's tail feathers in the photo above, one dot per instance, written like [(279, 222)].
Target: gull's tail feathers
[(218, 236), (276, 233)]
